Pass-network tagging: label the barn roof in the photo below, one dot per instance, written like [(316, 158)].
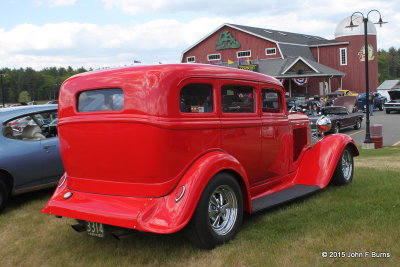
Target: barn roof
[(282, 68), (280, 36)]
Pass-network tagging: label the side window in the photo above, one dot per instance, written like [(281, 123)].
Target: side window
[(237, 99), (196, 98), (37, 126), (49, 126), (271, 100)]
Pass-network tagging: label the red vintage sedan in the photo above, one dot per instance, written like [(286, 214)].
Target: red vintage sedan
[(187, 146)]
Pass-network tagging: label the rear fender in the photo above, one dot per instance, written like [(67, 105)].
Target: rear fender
[(319, 162), (166, 215)]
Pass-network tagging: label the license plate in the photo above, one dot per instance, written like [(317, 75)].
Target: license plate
[(95, 229)]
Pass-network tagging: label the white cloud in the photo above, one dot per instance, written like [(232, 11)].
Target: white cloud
[(220, 7), (78, 44), (55, 3), (304, 8)]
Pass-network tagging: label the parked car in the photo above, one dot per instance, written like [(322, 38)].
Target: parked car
[(343, 114), (296, 104), (379, 101), (185, 146), (330, 97), (28, 160), (19, 124), (394, 103), (347, 92), (50, 130)]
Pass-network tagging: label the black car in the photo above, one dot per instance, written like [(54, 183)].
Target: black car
[(343, 114)]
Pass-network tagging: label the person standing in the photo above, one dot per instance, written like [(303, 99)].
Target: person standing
[(371, 104)]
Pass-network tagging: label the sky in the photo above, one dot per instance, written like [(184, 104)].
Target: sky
[(112, 33)]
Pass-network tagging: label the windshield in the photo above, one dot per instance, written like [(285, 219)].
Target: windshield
[(333, 110)]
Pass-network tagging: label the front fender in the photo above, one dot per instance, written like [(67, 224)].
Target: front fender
[(319, 162), (166, 215)]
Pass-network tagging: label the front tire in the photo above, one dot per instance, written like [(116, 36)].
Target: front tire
[(4, 194), (357, 125), (336, 128), (219, 213), (344, 171)]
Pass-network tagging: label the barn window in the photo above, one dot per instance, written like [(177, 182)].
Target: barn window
[(270, 51), (343, 56), (241, 54), (213, 57), (191, 59)]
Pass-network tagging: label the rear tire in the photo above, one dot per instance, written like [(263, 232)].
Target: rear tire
[(4, 194), (219, 213), (344, 171), (387, 111)]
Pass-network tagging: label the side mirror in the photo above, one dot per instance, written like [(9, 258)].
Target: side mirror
[(324, 124)]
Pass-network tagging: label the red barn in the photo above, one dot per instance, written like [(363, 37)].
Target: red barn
[(306, 64)]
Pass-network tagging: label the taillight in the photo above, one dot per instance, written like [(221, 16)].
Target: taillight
[(179, 193), (62, 180)]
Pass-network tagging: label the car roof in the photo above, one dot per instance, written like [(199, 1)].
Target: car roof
[(183, 70), (12, 112)]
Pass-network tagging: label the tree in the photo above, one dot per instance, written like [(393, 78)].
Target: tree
[(389, 64), (24, 97), (41, 85), (383, 66)]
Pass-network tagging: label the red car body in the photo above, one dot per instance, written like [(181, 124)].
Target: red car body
[(146, 165)]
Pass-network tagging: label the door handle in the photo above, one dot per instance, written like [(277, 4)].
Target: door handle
[(48, 146)]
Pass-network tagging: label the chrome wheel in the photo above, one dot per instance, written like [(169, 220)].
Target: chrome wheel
[(347, 165), (358, 124), (336, 129), (222, 210), (218, 214)]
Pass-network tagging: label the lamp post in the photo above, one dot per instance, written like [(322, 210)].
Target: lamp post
[(2, 73), (351, 25)]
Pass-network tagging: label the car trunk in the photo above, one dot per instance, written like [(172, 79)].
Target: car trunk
[(117, 158)]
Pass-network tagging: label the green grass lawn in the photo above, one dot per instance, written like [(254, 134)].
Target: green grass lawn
[(362, 217)]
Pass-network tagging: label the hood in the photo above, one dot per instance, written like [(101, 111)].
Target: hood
[(349, 102), (394, 94)]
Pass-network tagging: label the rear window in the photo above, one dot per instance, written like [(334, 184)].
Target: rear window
[(101, 100)]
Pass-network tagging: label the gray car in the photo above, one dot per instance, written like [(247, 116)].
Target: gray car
[(29, 156)]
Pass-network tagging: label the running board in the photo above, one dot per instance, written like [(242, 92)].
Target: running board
[(285, 195)]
